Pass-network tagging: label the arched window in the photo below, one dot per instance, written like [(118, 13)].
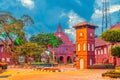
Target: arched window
[(88, 47), (84, 47), (98, 52), (78, 47), (92, 47), (81, 34), (2, 49), (91, 62)]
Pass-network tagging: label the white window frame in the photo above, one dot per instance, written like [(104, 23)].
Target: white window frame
[(78, 47), (81, 34), (8, 59), (99, 52), (3, 59), (93, 48), (105, 50), (91, 34), (2, 49), (84, 46)]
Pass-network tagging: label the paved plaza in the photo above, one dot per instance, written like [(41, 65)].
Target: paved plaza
[(68, 74)]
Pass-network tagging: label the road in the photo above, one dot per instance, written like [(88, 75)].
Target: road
[(68, 74)]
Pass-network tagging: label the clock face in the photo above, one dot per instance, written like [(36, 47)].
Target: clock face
[(91, 34), (59, 35)]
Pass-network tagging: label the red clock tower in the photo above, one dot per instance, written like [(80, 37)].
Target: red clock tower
[(85, 43)]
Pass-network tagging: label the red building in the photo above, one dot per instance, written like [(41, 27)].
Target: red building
[(102, 50), (65, 52), (85, 43), (4, 57)]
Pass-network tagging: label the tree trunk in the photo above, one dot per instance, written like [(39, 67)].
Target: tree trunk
[(15, 60), (26, 59), (114, 61)]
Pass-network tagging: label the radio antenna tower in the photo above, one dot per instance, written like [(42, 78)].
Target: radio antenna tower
[(119, 13), (106, 18)]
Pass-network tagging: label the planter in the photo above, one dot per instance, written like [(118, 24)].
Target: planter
[(44, 65), (3, 66), (101, 66)]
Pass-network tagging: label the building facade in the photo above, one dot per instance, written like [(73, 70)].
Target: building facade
[(85, 43), (65, 52), (90, 50), (4, 57), (102, 50)]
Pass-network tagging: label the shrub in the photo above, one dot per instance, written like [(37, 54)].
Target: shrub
[(102, 66), (4, 66), (37, 63), (111, 74), (117, 68)]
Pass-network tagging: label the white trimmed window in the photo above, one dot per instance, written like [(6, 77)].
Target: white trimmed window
[(78, 47), (84, 47), (91, 34), (88, 47), (81, 34), (105, 50), (8, 59), (2, 49), (101, 51), (3, 59), (92, 47), (98, 52)]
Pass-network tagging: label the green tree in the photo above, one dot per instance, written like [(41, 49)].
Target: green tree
[(12, 32), (45, 39), (115, 51), (112, 36), (30, 49)]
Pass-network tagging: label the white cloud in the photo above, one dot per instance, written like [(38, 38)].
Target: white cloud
[(73, 19), (98, 13), (114, 8), (27, 3)]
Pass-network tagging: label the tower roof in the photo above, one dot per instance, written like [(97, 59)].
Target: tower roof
[(99, 42), (85, 24), (59, 29)]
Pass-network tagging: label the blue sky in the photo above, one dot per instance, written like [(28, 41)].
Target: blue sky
[(48, 13)]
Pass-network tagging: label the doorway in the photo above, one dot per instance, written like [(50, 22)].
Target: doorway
[(81, 64)]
